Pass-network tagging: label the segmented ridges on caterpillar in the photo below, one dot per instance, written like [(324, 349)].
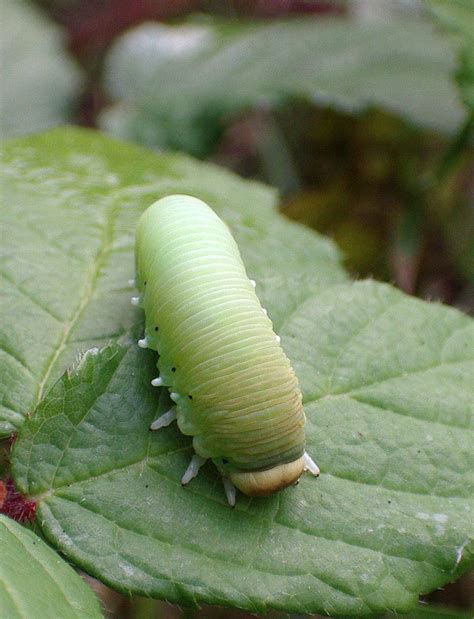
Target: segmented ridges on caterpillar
[(206, 322)]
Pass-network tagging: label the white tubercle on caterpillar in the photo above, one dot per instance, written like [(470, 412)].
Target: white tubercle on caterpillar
[(164, 420), (310, 465), (193, 469), (230, 491)]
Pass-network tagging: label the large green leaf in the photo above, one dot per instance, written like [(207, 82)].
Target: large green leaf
[(35, 583), (71, 199), (174, 86), (39, 81), (388, 386), (387, 380)]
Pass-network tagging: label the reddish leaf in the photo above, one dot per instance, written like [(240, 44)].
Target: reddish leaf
[(15, 505)]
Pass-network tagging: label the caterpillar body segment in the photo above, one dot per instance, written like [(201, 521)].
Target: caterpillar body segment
[(234, 388)]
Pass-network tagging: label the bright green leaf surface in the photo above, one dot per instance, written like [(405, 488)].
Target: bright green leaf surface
[(71, 200), (175, 86), (35, 583), (388, 386), (39, 80)]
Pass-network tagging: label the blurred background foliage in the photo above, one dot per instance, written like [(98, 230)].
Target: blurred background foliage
[(361, 112), (350, 108)]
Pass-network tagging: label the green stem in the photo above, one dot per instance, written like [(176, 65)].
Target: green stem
[(455, 150)]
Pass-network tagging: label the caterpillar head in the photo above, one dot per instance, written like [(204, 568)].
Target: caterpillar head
[(268, 481)]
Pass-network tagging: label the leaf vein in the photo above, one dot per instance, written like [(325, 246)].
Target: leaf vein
[(31, 298), (17, 359)]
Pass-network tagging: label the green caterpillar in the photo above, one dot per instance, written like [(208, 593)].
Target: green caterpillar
[(233, 387)]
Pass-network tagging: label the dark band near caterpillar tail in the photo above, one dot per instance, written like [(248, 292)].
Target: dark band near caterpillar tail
[(234, 390)]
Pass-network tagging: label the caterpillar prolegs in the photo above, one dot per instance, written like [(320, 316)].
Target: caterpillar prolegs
[(233, 387)]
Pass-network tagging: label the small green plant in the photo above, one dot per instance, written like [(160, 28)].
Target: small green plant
[(387, 379)]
